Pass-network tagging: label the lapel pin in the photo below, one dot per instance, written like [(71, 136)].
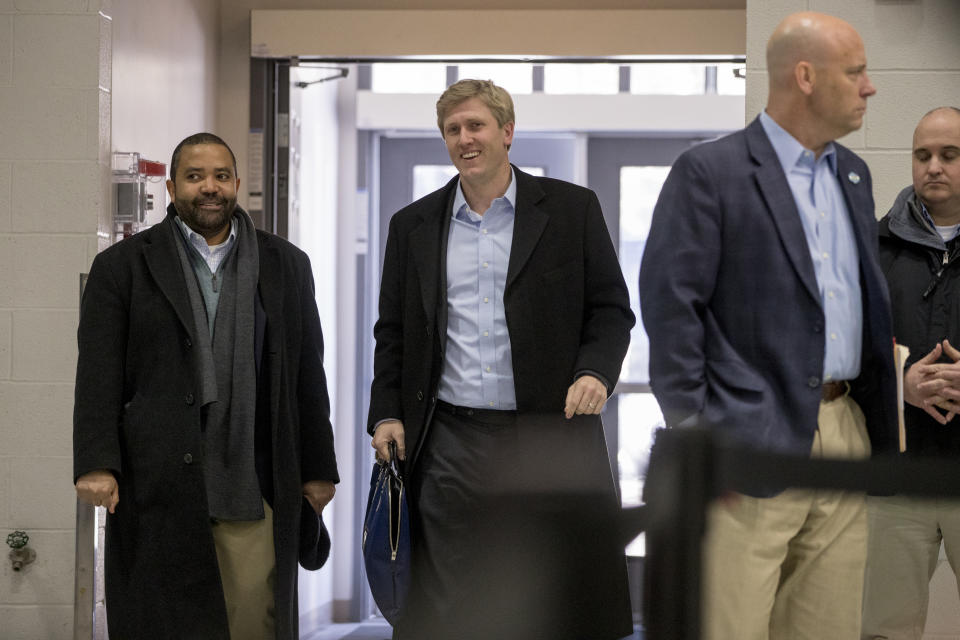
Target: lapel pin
[(853, 177)]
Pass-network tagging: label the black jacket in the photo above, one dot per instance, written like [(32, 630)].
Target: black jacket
[(136, 414), (923, 274), (566, 302), (567, 310)]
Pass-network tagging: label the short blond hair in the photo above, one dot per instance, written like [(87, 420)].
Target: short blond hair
[(496, 98)]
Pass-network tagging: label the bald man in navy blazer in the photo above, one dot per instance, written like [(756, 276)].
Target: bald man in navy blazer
[(769, 323)]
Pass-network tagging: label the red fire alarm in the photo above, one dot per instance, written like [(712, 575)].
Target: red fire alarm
[(152, 168)]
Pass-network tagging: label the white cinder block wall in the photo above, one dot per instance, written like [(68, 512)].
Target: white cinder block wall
[(913, 57), (54, 144), (59, 61)]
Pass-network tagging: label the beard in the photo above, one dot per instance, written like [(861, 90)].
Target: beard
[(201, 220)]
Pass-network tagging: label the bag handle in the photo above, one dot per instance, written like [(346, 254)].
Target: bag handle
[(393, 464)]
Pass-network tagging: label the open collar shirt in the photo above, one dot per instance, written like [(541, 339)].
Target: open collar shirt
[(212, 255), (832, 244), (478, 366)]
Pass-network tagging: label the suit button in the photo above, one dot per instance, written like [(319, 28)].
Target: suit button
[(188, 342), (813, 382), (817, 328), (419, 395), (187, 458), (188, 399)]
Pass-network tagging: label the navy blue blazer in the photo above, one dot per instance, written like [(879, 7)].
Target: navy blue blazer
[(730, 301)]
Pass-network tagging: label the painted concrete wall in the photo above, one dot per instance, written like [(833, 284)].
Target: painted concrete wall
[(54, 144), (73, 75)]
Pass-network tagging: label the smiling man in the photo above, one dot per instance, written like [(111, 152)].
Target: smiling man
[(504, 320), (920, 255), (201, 418)]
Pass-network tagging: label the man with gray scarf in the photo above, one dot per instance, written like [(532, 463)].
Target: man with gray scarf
[(920, 256), (201, 416)]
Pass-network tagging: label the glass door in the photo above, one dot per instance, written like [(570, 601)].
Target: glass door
[(627, 174), (412, 167)]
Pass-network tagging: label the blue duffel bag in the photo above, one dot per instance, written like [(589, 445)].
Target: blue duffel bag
[(386, 539)]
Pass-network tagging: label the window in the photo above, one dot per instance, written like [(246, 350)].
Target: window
[(638, 413), (731, 79), (668, 79), (596, 79), (514, 77), (582, 78), (408, 77)]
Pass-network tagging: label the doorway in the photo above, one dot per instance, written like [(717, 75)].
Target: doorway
[(627, 173), (612, 141)]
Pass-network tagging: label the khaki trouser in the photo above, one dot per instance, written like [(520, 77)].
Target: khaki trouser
[(905, 535), (248, 572), (790, 567)]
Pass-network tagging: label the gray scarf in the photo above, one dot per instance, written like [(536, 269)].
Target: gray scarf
[(228, 384)]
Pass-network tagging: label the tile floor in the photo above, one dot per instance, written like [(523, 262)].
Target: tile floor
[(374, 630)]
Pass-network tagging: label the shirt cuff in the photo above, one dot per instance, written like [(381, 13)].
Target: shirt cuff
[(598, 376), (380, 422)]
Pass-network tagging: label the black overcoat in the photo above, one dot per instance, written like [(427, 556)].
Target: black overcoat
[(137, 413), (567, 311), (566, 302)]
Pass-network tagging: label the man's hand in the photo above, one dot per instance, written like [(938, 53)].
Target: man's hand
[(951, 374), (929, 385), (386, 432), (318, 493), (99, 488), (586, 396)]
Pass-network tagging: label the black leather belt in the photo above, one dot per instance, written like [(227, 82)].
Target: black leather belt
[(488, 415), (830, 391)]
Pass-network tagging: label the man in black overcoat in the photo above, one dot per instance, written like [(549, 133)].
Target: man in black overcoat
[(201, 417), (504, 321)]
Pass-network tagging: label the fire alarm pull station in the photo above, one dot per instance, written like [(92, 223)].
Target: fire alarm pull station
[(138, 186)]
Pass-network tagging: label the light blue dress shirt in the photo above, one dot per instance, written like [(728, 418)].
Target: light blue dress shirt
[(207, 261), (478, 364), (833, 246), (212, 255)]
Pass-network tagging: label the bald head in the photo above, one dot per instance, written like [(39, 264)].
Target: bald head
[(804, 37), (950, 113), (936, 164), (818, 78)]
